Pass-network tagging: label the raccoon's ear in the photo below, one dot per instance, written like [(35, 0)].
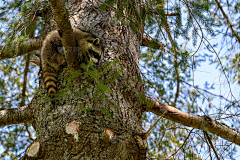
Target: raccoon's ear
[(96, 41)]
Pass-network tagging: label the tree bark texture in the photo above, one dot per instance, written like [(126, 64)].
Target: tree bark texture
[(80, 125)]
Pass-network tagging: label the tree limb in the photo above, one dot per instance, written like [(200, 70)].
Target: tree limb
[(204, 123), (61, 17), (16, 116), (28, 46), (27, 64)]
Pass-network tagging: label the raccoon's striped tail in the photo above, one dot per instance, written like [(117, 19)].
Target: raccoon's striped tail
[(50, 79)]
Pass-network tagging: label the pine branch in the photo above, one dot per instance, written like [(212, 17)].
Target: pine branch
[(27, 46), (147, 41), (167, 29)]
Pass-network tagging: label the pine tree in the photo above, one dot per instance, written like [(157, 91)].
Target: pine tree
[(100, 111)]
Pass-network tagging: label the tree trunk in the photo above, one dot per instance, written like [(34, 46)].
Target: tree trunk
[(97, 112)]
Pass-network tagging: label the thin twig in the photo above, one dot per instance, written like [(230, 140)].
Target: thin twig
[(182, 144), (150, 129), (228, 21), (205, 91), (29, 133), (210, 142)]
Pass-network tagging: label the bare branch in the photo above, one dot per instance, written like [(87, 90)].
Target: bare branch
[(200, 122), (16, 116), (150, 129)]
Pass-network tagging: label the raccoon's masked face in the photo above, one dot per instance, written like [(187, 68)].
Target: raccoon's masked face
[(95, 53), (91, 49)]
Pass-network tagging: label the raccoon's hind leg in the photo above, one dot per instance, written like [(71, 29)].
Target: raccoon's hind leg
[(56, 60)]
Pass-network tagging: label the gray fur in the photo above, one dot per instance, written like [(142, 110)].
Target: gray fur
[(52, 54)]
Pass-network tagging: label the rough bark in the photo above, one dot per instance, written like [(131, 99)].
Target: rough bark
[(79, 123)]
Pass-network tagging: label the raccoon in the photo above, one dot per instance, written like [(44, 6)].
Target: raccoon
[(52, 54)]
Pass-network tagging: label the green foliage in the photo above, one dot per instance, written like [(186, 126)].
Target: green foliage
[(125, 8), (104, 7), (89, 74), (191, 21), (106, 111)]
